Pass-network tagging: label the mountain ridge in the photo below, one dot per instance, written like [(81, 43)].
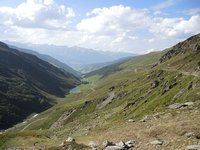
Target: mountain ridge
[(75, 57), (49, 59)]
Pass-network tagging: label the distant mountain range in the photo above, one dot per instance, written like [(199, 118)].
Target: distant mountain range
[(49, 59), (76, 57), (26, 83)]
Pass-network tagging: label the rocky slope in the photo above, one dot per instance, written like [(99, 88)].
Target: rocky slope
[(24, 80)]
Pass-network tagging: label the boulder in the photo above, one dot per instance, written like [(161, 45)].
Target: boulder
[(175, 106), (107, 143), (114, 148), (92, 144), (121, 144), (188, 104), (190, 86), (131, 120), (155, 84), (189, 134), (112, 88), (145, 118), (193, 147), (14, 148), (70, 139), (130, 144), (156, 142)]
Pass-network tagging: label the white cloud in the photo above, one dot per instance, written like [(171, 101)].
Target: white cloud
[(175, 27), (114, 20), (48, 2), (37, 14)]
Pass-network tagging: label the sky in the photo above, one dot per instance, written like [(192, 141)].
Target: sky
[(137, 26)]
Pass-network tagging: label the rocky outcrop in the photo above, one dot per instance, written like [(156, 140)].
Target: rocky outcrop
[(180, 105), (70, 144), (107, 145), (62, 118), (108, 100), (182, 48)]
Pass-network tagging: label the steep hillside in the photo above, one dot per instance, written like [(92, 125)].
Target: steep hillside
[(24, 80), (129, 64), (150, 102), (50, 60), (109, 69)]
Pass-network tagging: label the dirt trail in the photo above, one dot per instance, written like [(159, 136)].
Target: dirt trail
[(183, 72), (32, 123)]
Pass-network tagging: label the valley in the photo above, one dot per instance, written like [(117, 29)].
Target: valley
[(149, 102)]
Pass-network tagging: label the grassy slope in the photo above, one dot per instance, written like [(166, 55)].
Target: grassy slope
[(135, 99)]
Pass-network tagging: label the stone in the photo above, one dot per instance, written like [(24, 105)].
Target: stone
[(178, 105), (190, 86), (92, 144), (130, 143), (193, 147), (155, 84), (112, 88), (145, 119), (189, 135), (131, 120), (14, 148), (175, 106), (70, 139), (156, 142), (114, 148), (107, 143), (121, 144), (188, 104), (62, 144)]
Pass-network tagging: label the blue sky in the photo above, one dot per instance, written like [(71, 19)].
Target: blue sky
[(137, 26)]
